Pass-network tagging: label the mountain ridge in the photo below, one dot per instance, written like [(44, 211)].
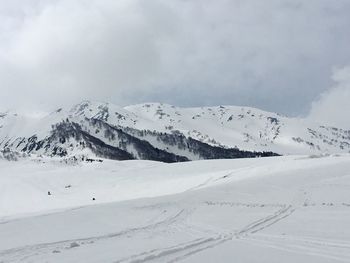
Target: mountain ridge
[(163, 132)]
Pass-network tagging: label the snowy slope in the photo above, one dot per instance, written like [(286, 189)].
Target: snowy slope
[(277, 209), (245, 128), (167, 133)]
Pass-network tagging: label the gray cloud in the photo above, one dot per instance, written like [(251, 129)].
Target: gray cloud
[(276, 55)]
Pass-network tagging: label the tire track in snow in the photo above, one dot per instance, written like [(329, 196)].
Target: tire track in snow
[(181, 251), (338, 250), (266, 221), (168, 251), (252, 228), (32, 250), (168, 254)]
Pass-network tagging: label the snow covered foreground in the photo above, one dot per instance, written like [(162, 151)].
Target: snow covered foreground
[(278, 209)]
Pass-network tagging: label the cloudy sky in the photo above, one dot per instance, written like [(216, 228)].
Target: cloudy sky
[(287, 56)]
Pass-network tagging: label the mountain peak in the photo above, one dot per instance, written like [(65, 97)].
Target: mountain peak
[(161, 131)]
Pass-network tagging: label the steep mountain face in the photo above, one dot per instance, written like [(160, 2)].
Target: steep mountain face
[(166, 133)]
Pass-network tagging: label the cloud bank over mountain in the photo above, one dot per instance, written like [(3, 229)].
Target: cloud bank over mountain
[(274, 55)]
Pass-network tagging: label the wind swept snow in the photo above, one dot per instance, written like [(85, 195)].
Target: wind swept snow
[(276, 209)]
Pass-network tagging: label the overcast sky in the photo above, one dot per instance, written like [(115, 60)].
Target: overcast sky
[(287, 56)]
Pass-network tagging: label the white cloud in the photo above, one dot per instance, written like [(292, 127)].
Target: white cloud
[(333, 106)]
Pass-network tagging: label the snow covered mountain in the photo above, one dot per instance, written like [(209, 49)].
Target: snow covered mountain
[(162, 132)]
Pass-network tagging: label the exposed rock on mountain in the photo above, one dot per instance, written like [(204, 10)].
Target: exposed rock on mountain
[(166, 133)]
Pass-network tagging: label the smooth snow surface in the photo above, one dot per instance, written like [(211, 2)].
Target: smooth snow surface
[(279, 209)]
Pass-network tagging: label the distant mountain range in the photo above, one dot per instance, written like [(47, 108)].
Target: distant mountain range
[(161, 132)]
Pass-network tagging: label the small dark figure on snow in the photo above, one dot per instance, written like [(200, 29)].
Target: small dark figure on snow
[(48, 193), (93, 199)]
